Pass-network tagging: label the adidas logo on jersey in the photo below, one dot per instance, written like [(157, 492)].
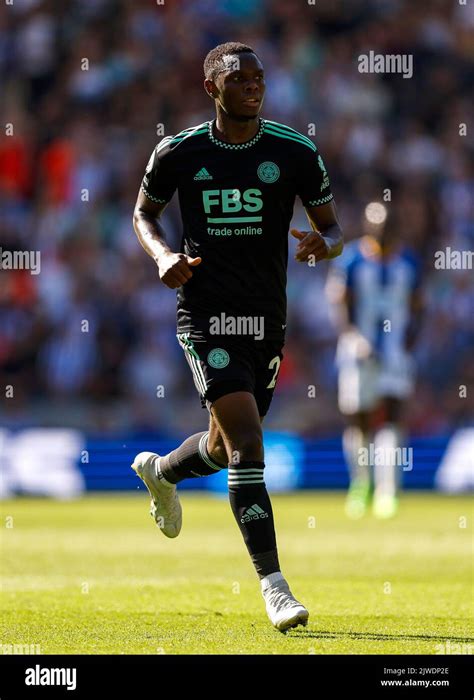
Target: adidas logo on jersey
[(202, 175), (253, 513)]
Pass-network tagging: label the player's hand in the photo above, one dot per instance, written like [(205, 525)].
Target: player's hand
[(175, 268), (310, 243), (360, 346)]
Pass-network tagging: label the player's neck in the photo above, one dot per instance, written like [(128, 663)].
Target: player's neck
[(373, 247), (232, 131)]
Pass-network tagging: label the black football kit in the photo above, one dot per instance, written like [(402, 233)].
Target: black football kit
[(236, 203)]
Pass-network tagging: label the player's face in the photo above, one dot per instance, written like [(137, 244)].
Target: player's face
[(241, 88)]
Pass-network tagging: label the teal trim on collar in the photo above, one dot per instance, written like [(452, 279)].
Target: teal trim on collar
[(235, 146)]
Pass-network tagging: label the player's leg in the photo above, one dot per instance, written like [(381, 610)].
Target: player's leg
[(395, 385), (239, 422), (355, 443), (357, 395), (237, 418), (216, 371), (192, 459), (215, 444), (204, 453), (199, 455), (388, 441)]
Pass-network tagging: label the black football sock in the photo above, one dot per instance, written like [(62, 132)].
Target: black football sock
[(252, 510), (190, 460)]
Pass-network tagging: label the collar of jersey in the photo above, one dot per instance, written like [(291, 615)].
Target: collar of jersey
[(235, 146)]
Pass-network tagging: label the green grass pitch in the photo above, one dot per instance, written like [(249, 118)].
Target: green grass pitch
[(96, 576)]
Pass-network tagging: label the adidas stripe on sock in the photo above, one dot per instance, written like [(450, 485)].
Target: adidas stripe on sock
[(252, 510)]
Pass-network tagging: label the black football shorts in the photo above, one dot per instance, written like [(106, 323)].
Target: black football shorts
[(224, 364)]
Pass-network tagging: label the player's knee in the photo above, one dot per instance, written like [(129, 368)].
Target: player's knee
[(217, 451), (248, 446)]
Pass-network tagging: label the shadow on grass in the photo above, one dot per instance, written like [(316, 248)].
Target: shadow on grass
[(314, 634)]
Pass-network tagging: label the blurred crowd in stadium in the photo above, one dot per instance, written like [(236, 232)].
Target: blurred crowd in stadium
[(82, 135)]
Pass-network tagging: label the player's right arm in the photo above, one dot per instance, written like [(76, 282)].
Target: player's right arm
[(339, 295), (157, 188), (174, 268)]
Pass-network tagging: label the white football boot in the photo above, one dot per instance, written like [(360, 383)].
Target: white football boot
[(165, 506), (283, 609)]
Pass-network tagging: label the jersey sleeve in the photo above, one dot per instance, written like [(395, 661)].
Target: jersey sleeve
[(159, 183), (313, 187)]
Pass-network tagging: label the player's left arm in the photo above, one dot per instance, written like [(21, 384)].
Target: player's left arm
[(314, 189), (325, 240)]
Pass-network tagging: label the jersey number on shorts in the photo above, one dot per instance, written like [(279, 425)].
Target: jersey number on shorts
[(274, 363)]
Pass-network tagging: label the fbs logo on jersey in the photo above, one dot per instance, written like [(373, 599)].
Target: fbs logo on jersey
[(268, 172), (202, 175), (218, 358)]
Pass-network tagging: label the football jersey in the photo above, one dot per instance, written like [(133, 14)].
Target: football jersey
[(382, 290), (236, 203)]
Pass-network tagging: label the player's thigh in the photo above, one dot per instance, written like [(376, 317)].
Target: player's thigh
[(358, 386)]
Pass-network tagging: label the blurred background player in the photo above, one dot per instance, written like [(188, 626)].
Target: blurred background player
[(375, 286)]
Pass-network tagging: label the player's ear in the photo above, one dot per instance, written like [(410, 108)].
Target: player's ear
[(210, 88)]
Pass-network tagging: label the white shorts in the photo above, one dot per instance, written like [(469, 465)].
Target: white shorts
[(364, 381)]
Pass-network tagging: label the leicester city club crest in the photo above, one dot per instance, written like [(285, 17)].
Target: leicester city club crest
[(218, 358), (268, 172)]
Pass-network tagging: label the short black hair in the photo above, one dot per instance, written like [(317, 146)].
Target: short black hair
[(214, 64)]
